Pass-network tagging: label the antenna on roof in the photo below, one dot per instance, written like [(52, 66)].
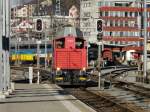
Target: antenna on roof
[(57, 8)]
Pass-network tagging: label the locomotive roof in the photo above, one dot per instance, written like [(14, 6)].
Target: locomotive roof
[(69, 31)]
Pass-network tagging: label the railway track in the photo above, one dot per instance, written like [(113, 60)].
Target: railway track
[(134, 94), (126, 97), (21, 74), (102, 103)]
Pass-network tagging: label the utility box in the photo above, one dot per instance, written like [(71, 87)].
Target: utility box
[(30, 74), (106, 84)]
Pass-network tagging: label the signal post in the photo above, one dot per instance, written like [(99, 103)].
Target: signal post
[(99, 26), (4, 47)]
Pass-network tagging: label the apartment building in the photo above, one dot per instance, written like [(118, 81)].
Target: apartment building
[(123, 22), (22, 11)]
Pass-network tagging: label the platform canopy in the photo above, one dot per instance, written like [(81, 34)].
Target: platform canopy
[(69, 31)]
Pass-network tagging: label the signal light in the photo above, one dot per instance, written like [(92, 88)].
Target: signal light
[(58, 69), (99, 36), (83, 68), (39, 25), (99, 25)]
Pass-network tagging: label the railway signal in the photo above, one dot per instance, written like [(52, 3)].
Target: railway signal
[(99, 36), (99, 25), (39, 25)]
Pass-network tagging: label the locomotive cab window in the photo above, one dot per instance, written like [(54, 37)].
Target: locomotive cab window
[(79, 43), (60, 43)]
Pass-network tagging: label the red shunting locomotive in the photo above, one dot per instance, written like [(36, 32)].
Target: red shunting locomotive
[(69, 60)]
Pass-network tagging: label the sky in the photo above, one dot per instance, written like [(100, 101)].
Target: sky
[(18, 2)]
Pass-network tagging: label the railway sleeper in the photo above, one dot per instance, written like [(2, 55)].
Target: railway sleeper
[(125, 106)]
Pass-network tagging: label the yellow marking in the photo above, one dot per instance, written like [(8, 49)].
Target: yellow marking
[(22, 57), (59, 78), (82, 78)]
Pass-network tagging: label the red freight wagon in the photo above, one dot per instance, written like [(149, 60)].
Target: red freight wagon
[(69, 59)]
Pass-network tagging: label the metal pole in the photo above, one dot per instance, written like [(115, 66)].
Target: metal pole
[(3, 51), (18, 53), (145, 40), (52, 44), (30, 74), (8, 38), (1, 64), (87, 52), (99, 72), (19, 56), (38, 61), (38, 48), (45, 51)]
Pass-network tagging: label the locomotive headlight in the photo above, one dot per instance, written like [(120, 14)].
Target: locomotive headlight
[(58, 69), (83, 68)]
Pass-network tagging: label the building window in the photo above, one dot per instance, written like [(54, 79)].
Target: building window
[(122, 14), (111, 34), (136, 14), (121, 34), (106, 3), (86, 24), (116, 14), (116, 23), (116, 42), (125, 34), (136, 34), (118, 4), (117, 34), (106, 13), (111, 13), (147, 24), (121, 23), (87, 14), (140, 14), (88, 4), (111, 23), (130, 14), (100, 3), (126, 23), (101, 13), (119, 14), (126, 14), (107, 23), (148, 5), (148, 14), (86, 33)]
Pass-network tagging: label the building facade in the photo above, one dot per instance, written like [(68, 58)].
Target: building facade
[(22, 11), (122, 21), (88, 17)]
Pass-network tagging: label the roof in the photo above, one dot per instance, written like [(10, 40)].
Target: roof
[(69, 31)]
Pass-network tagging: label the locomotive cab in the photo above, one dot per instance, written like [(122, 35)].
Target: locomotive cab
[(70, 60)]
